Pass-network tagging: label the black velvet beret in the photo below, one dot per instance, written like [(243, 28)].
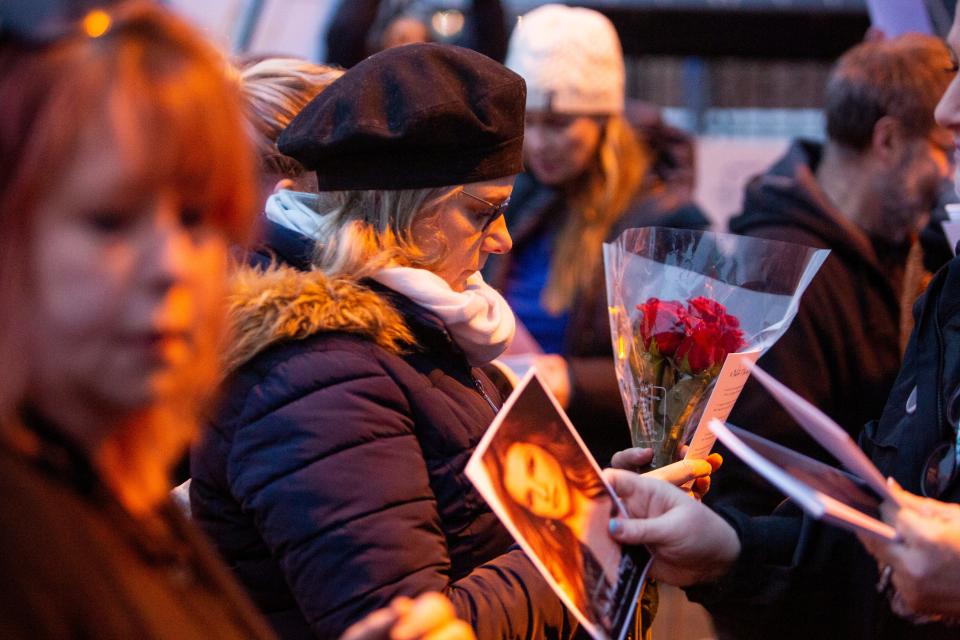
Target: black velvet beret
[(411, 117)]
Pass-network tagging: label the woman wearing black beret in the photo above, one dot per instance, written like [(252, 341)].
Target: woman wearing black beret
[(333, 480)]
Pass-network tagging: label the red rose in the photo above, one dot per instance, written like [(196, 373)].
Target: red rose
[(701, 350), (732, 340), (706, 309), (663, 325), (714, 314)]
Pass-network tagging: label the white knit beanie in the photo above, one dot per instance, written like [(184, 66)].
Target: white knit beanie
[(571, 60)]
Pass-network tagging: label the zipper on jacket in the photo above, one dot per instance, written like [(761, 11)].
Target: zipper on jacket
[(483, 392)]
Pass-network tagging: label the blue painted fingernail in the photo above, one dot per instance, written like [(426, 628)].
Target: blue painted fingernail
[(615, 527)]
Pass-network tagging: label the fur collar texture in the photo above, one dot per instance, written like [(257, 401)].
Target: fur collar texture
[(282, 303)]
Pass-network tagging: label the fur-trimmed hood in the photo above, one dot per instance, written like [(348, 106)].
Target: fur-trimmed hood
[(282, 303)]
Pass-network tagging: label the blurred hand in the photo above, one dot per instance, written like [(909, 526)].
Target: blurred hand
[(926, 562), (404, 30), (679, 473), (429, 617), (689, 542), (555, 374)]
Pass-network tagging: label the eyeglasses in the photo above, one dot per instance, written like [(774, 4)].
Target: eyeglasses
[(491, 214), (940, 470)]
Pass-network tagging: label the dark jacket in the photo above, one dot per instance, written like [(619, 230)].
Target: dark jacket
[(75, 564), (332, 477), (842, 351), (595, 405), (796, 578)]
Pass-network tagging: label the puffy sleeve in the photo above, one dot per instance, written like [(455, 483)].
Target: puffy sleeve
[(332, 473)]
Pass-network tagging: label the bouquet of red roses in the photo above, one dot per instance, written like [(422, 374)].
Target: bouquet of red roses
[(677, 351), (680, 301)]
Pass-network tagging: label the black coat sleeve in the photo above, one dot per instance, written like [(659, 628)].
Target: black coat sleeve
[(490, 29), (336, 482)]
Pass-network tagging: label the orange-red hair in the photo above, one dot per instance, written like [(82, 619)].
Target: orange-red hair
[(152, 81)]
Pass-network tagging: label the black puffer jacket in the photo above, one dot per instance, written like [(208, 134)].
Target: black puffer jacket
[(842, 351), (332, 478), (797, 578), (595, 405)]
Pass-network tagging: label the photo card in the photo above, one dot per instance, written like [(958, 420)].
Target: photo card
[(539, 478)]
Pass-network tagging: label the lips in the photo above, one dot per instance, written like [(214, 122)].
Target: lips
[(164, 345)]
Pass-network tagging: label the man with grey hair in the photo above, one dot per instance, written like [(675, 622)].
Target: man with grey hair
[(864, 194)]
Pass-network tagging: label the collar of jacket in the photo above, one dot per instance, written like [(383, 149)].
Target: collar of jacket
[(788, 195), (280, 303), (429, 331), (278, 244)]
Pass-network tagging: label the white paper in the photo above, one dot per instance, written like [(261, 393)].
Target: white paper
[(733, 375), (825, 431), (952, 230), (531, 416), (817, 504)]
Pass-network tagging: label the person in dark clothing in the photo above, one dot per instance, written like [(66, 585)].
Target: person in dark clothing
[(119, 201), (332, 479), (360, 28), (276, 89), (803, 578), (864, 195), (588, 178), (789, 574), (112, 266)]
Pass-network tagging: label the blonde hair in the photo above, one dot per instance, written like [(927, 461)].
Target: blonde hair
[(276, 89), (595, 202), (363, 231)]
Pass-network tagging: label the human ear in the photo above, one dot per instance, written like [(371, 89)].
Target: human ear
[(285, 183), (888, 139)]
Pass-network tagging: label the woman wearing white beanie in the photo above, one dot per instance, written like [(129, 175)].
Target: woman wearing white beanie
[(587, 178)]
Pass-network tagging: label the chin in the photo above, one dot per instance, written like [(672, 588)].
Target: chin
[(551, 179), (129, 395)]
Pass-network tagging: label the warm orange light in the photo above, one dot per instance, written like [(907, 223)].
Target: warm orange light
[(96, 23)]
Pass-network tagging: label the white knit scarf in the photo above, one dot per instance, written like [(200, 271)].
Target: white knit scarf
[(478, 318)]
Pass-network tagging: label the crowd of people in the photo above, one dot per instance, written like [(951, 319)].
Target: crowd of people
[(303, 275)]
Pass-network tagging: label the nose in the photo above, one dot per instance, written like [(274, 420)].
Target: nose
[(533, 138), (947, 112), (498, 239)]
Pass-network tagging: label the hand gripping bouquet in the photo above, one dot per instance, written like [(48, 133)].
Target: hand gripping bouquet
[(680, 301)]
